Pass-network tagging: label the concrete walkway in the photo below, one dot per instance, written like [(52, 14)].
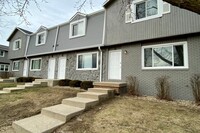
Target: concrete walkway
[(55, 116)]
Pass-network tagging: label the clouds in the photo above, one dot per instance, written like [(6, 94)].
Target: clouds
[(51, 13)]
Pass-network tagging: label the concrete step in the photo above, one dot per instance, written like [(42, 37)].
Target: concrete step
[(3, 92), (110, 92), (12, 89), (62, 112), (50, 82), (37, 124), (6, 80), (25, 86), (93, 95), (85, 103)]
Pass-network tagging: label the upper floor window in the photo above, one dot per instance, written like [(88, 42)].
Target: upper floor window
[(36, 64), (41, 38), (17, 44), (165, 56), (87, 61), (77, 28), (2, 53), (16, 65), (4, 68)]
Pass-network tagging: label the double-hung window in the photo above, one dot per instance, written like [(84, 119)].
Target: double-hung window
[(4, 68), (146, 9), (17, 44), (36, 64), (2, 53), (165, 56), (87, 61), (16, 65), (41, 38), (77, 28)]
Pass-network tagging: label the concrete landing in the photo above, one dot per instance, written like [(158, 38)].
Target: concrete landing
[(6, 80)]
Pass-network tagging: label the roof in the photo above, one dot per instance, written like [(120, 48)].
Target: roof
[(107, 2), (3, 47), (26, 32)]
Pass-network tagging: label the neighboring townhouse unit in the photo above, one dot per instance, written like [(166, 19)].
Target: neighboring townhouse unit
[(4, 61), (149, 39), (69, 50)]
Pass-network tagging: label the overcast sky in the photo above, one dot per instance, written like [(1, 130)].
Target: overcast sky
[(51, 13)]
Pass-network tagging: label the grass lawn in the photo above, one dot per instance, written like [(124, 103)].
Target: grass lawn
[(136, 115), (5, 85), (29, 102)]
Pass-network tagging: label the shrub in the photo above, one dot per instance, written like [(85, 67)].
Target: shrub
[(195, 84), (27, 79), (132, 85), (75, 83), (163, 88), (64, 82), (86, 84)]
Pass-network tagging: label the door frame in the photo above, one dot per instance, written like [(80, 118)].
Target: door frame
[(59, 66), (54, 68), (110, 51)]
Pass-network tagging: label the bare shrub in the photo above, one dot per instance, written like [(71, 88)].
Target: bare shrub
[(132, 85), (163, 88), (195, 84)]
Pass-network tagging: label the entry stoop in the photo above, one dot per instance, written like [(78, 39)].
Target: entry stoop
[(119, 87), (55, 116)]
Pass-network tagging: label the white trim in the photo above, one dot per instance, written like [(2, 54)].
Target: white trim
[(20, 44), (4, 67), (45, 36), (160, 11), (27, 44), (32, 62), (56, 38), (185, 49), (88, 53), (78, 13), (84, 20), (3, 53), (13, 65), (169, 7)]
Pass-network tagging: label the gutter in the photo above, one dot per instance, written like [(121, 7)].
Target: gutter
[(25, 54), (56, 38), (101, 59)]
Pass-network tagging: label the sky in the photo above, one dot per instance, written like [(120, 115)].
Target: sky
[(50, 13)]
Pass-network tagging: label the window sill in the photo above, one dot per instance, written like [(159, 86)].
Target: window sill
[(72, 37), (35, 70), (165, 68), (87, 69), (15, 70), (39, 44)]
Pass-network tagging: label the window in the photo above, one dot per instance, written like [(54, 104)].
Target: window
[(16, 65), (87, 61), (17, 44), (77, 28), (41, 38), (2, 53), (173, 55), (146, 9), (36, 64), (4, 68)]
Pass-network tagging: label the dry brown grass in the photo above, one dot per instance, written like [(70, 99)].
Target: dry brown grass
[(136, 115)]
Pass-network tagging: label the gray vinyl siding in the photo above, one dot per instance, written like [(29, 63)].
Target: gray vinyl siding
[(14, 54), (71, 72), (5, 59), (93, 36), (178, 21), (21, 67), (47, 47), (179, 79)]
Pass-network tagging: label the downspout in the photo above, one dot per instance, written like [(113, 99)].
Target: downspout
[(56, 39), (100, 77), (25, 54)]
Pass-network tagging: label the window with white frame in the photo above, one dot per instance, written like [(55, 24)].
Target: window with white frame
[(16, 65), (4, 68), (41, 38), (2, 53), (77, 28), (17, 44), (87, 61), (146, 9), (173, 55), (36, 64)]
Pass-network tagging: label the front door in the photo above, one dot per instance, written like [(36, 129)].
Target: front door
[(61, 67), (51, 68), (25, 71), (114, 65)]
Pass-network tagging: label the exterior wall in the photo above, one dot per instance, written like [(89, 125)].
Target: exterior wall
[(92, 38), (47, 47), (21, 68), (18, 53), (178, 21), (71, 72), (179, 79), (4, 60)]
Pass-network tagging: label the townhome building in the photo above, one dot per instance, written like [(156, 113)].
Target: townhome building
[(4, 62), (141, 38)]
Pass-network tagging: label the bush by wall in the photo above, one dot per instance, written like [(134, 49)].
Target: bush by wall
[(75, 83), (27, 79), (132, 85), (64, 82), (195, 84), (86, 84)]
